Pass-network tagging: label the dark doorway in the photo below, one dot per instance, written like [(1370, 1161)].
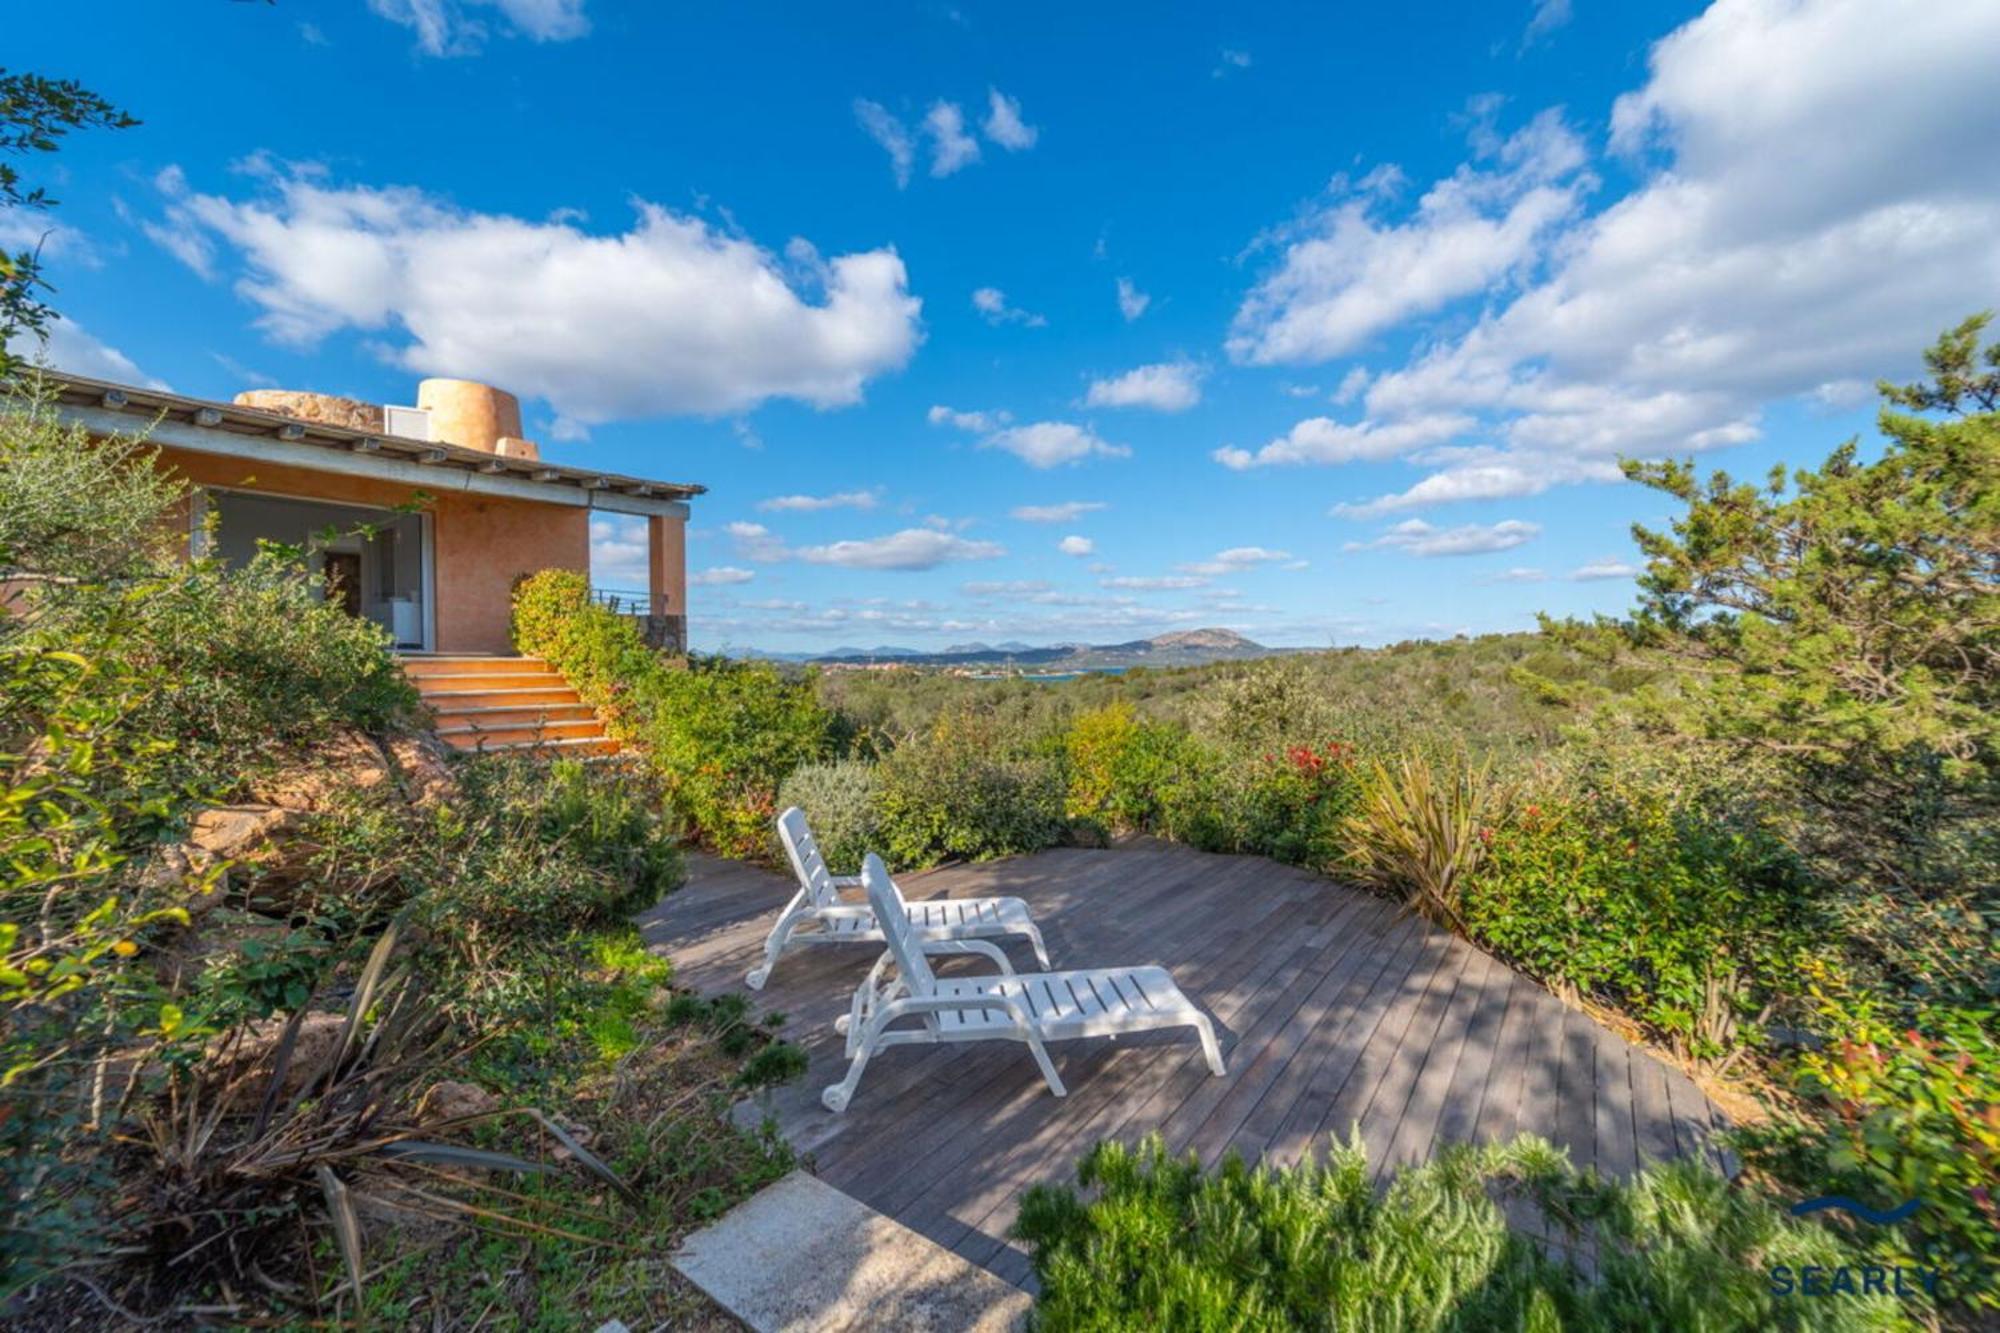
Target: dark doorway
[(343, 580)]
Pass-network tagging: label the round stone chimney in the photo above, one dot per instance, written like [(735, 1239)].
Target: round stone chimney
[(470, 414)]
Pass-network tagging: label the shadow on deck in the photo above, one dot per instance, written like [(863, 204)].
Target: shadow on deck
[(1333, 1007)]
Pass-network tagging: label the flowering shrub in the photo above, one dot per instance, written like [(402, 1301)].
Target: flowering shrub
[(1911, 1114), (1294, 802), (1691, 921)]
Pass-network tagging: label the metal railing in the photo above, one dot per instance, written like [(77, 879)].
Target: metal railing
[(663, 628), (628, 601)]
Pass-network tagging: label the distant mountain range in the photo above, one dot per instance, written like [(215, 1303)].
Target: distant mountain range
[(1190, 647)]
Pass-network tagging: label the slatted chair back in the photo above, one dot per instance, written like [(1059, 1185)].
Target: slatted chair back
[(894, 917), (803, 851)]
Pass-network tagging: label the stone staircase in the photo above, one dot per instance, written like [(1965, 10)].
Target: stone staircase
[(485, 701)]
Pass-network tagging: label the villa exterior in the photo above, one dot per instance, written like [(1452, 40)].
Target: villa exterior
[(440, 507)]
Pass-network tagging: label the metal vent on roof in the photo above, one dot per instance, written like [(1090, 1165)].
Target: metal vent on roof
[(411, 423)]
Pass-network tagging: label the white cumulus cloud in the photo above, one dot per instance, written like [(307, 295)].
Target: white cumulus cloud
[(1239, 558), (1347, 274), (1078, 546), (1169, 386), (1132, 302), (809, 504), (1816, 199), (721, 575), (1324, 440), (991, 303), (910, 549), (1003, 124), (885, 129), (1047, 444), (458, 27), (940, 415), (674, 315), (1066, 512), (1420, 538), (70, 347), (1604, 569), (952, 149), (1156, 583)]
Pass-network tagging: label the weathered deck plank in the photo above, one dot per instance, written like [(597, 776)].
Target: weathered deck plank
[(1331, 1006)]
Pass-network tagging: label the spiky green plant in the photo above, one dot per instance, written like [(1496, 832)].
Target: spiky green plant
[(1421, 827), (1164, 1245)]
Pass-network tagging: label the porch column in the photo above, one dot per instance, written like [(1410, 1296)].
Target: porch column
[(666, 568)]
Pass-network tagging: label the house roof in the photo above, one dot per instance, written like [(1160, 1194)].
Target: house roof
[(185, 422)]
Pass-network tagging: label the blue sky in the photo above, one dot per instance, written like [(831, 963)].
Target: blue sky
[(1327, 324)]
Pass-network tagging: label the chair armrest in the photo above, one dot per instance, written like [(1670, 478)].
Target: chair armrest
[(983, 948), (845, 911)]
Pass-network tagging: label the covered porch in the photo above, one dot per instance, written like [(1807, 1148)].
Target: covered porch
[(376, 563)]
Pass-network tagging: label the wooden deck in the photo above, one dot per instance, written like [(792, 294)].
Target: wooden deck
[(1333, 1007)]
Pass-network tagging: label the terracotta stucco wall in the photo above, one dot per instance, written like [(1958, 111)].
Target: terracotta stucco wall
[(480, 544)]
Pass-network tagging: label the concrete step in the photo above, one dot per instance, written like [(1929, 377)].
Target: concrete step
[(488, 680), (446, 664), (579, 745), (507, 715), (474, 697), (802, 1255), (581, 728)]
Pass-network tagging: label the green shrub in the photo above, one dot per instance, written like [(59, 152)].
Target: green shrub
[(135, 687), (839, 799), (1689, 918), (1135, 776), (84, 798), (1293, 804), (259, 658), (721, 735), (1161, 1245), (956, 792), (598, 651), (533, 849), (1897, 1115)]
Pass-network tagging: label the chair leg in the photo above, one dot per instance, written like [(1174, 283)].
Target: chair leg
[(1206, 1031), (835, 1098), (774, 945), (1041, 950), (1048, 1067)]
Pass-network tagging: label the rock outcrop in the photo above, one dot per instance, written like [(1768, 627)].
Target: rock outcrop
[(325, 408)]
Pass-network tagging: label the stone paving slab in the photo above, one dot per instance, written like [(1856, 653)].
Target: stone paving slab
[(802, 1257)]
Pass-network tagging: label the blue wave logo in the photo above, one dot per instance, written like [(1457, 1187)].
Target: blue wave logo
[(1858, 1208)]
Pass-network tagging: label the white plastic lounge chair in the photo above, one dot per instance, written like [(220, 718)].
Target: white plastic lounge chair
[(1034, 1008), (818, 915)]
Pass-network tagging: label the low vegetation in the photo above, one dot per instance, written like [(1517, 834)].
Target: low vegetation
[(1160, 1244), (305, 1020)]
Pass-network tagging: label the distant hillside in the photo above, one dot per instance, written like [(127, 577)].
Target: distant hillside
[(1191, 647)]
